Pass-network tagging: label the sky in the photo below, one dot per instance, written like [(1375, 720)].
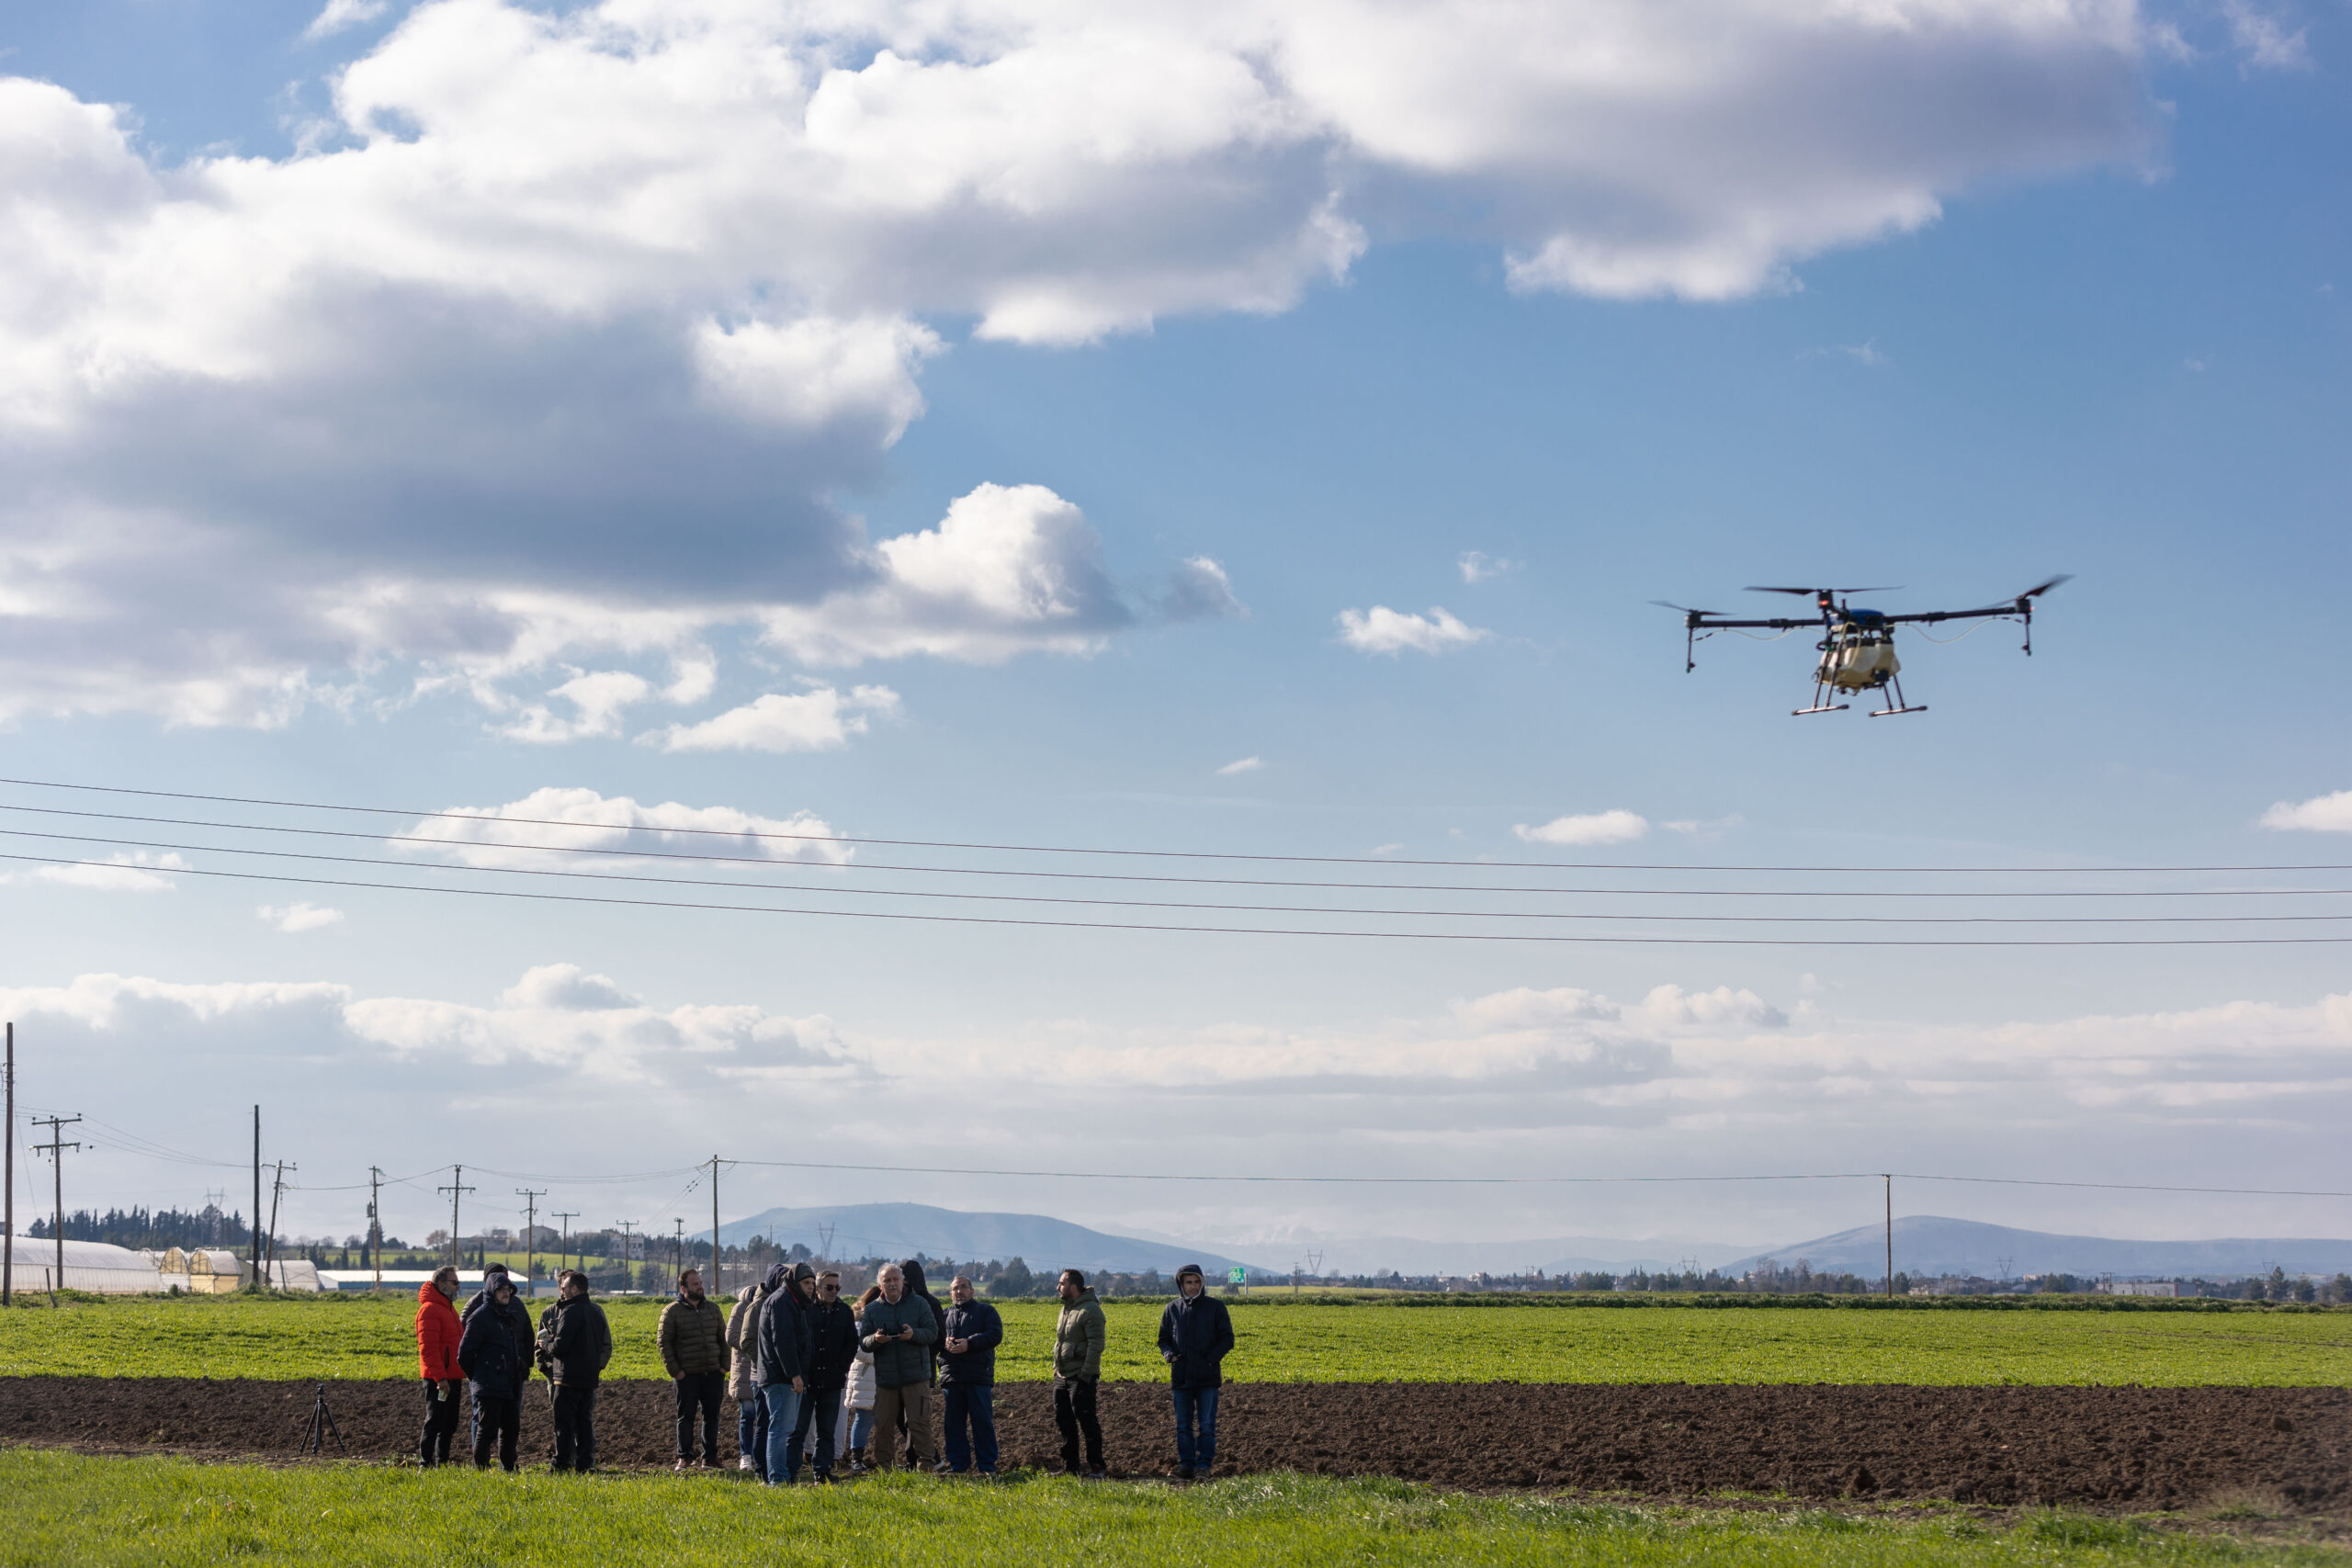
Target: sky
[(1242, 429)]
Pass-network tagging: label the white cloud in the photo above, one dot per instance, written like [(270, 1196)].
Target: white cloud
[(138, 872), (573, 821), (1383, 630), (337, 15), (550, 271), (2321, 814), (1008, 568), (292, 917), (819, 719), (1477, 565), (1615, 826), (1241, 765), (597, 699), (2263, 39)]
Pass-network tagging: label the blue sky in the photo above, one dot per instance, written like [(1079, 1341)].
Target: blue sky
[(357, 413)]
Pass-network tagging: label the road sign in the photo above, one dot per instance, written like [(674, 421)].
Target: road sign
[(1236, 1275)]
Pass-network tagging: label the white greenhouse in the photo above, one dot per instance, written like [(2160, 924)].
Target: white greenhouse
[(95, 1266)]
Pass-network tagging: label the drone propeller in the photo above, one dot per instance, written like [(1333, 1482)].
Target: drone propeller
[(1810, 592), (2038, 591), (1684, 608)]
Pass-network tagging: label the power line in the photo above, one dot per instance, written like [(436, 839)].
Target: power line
[(1360, 910), (1157, 854), (1526, 1180), (774, 863), (1543, 937)]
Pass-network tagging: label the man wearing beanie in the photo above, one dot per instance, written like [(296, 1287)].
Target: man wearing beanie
[(1195, 1333)]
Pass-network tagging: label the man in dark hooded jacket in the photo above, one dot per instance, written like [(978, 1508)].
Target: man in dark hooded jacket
[(832, 1346), (782, 1368), (518, 1322), (494, 1353), (1196, 1335), (575, 1344)]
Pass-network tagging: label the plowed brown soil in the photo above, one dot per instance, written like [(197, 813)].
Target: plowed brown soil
[(2111, 1447)]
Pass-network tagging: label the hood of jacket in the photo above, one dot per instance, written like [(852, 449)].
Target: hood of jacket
[(776, 1277), (429, 1292)]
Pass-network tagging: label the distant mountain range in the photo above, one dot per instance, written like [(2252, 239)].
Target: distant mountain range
[(1925, 1244), (903, 1230)]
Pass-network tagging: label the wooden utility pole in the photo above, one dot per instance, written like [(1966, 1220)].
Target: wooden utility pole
[(530, 1238), (376, 1223), (456, 1189), (276, 1190), (678, 1244), (567, 1216), (256, 1247), (8, 1221), (711, 1289), (1890, 1237), (57, 1147)]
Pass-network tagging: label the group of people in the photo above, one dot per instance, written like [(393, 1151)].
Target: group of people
[(820, 1384)]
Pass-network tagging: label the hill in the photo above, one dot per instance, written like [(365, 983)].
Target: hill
[(903, 1230), (1929, 1245)]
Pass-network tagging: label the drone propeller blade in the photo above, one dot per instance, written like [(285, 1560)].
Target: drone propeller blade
[(1800, 592), (1684, 608), (2036, 592)]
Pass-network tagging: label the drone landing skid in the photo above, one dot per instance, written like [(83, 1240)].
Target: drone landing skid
[(1896, 704), (1820, 707)]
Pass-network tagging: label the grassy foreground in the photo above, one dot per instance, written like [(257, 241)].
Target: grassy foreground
[(360, 1338), (71, 1508)]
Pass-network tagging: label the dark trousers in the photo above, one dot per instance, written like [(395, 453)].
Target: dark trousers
[(440, 1423), (1196, 1406), (575, 1426), (703, 1391), (1074, 1414), (973, 1407), (496, 1420), (820, 1411)]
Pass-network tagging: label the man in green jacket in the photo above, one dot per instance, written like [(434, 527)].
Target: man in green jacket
[(1077, 1366), (694, 1352), (900, 1329)]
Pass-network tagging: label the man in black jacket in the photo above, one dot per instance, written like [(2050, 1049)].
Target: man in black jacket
[(575, 1344), (1195, 1333), (832, 1346), (781, 1367), (494, 1354), (967, 1377)]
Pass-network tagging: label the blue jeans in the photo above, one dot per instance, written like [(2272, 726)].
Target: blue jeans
[(975, 1404), (782, 1402), (751, 1432), (861, 1427), (1193, 1404)]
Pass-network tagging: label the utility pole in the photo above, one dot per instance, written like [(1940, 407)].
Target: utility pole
[(711, 1288), (456, 1189), (1890, 1235), (567, 1216), (376, 1223), (678, 1245), (279, 1188), (8, 1221), (629, 1248), (530, 1236), (57, 1147), (1315, 1264), (256, 1247)]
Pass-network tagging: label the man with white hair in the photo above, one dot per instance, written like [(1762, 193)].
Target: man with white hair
[(899, 1330)]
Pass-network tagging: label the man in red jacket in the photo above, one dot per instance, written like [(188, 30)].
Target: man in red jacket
[(437, 1356)]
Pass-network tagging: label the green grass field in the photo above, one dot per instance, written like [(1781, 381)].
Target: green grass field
[(68, 1508), (360, 1338)]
